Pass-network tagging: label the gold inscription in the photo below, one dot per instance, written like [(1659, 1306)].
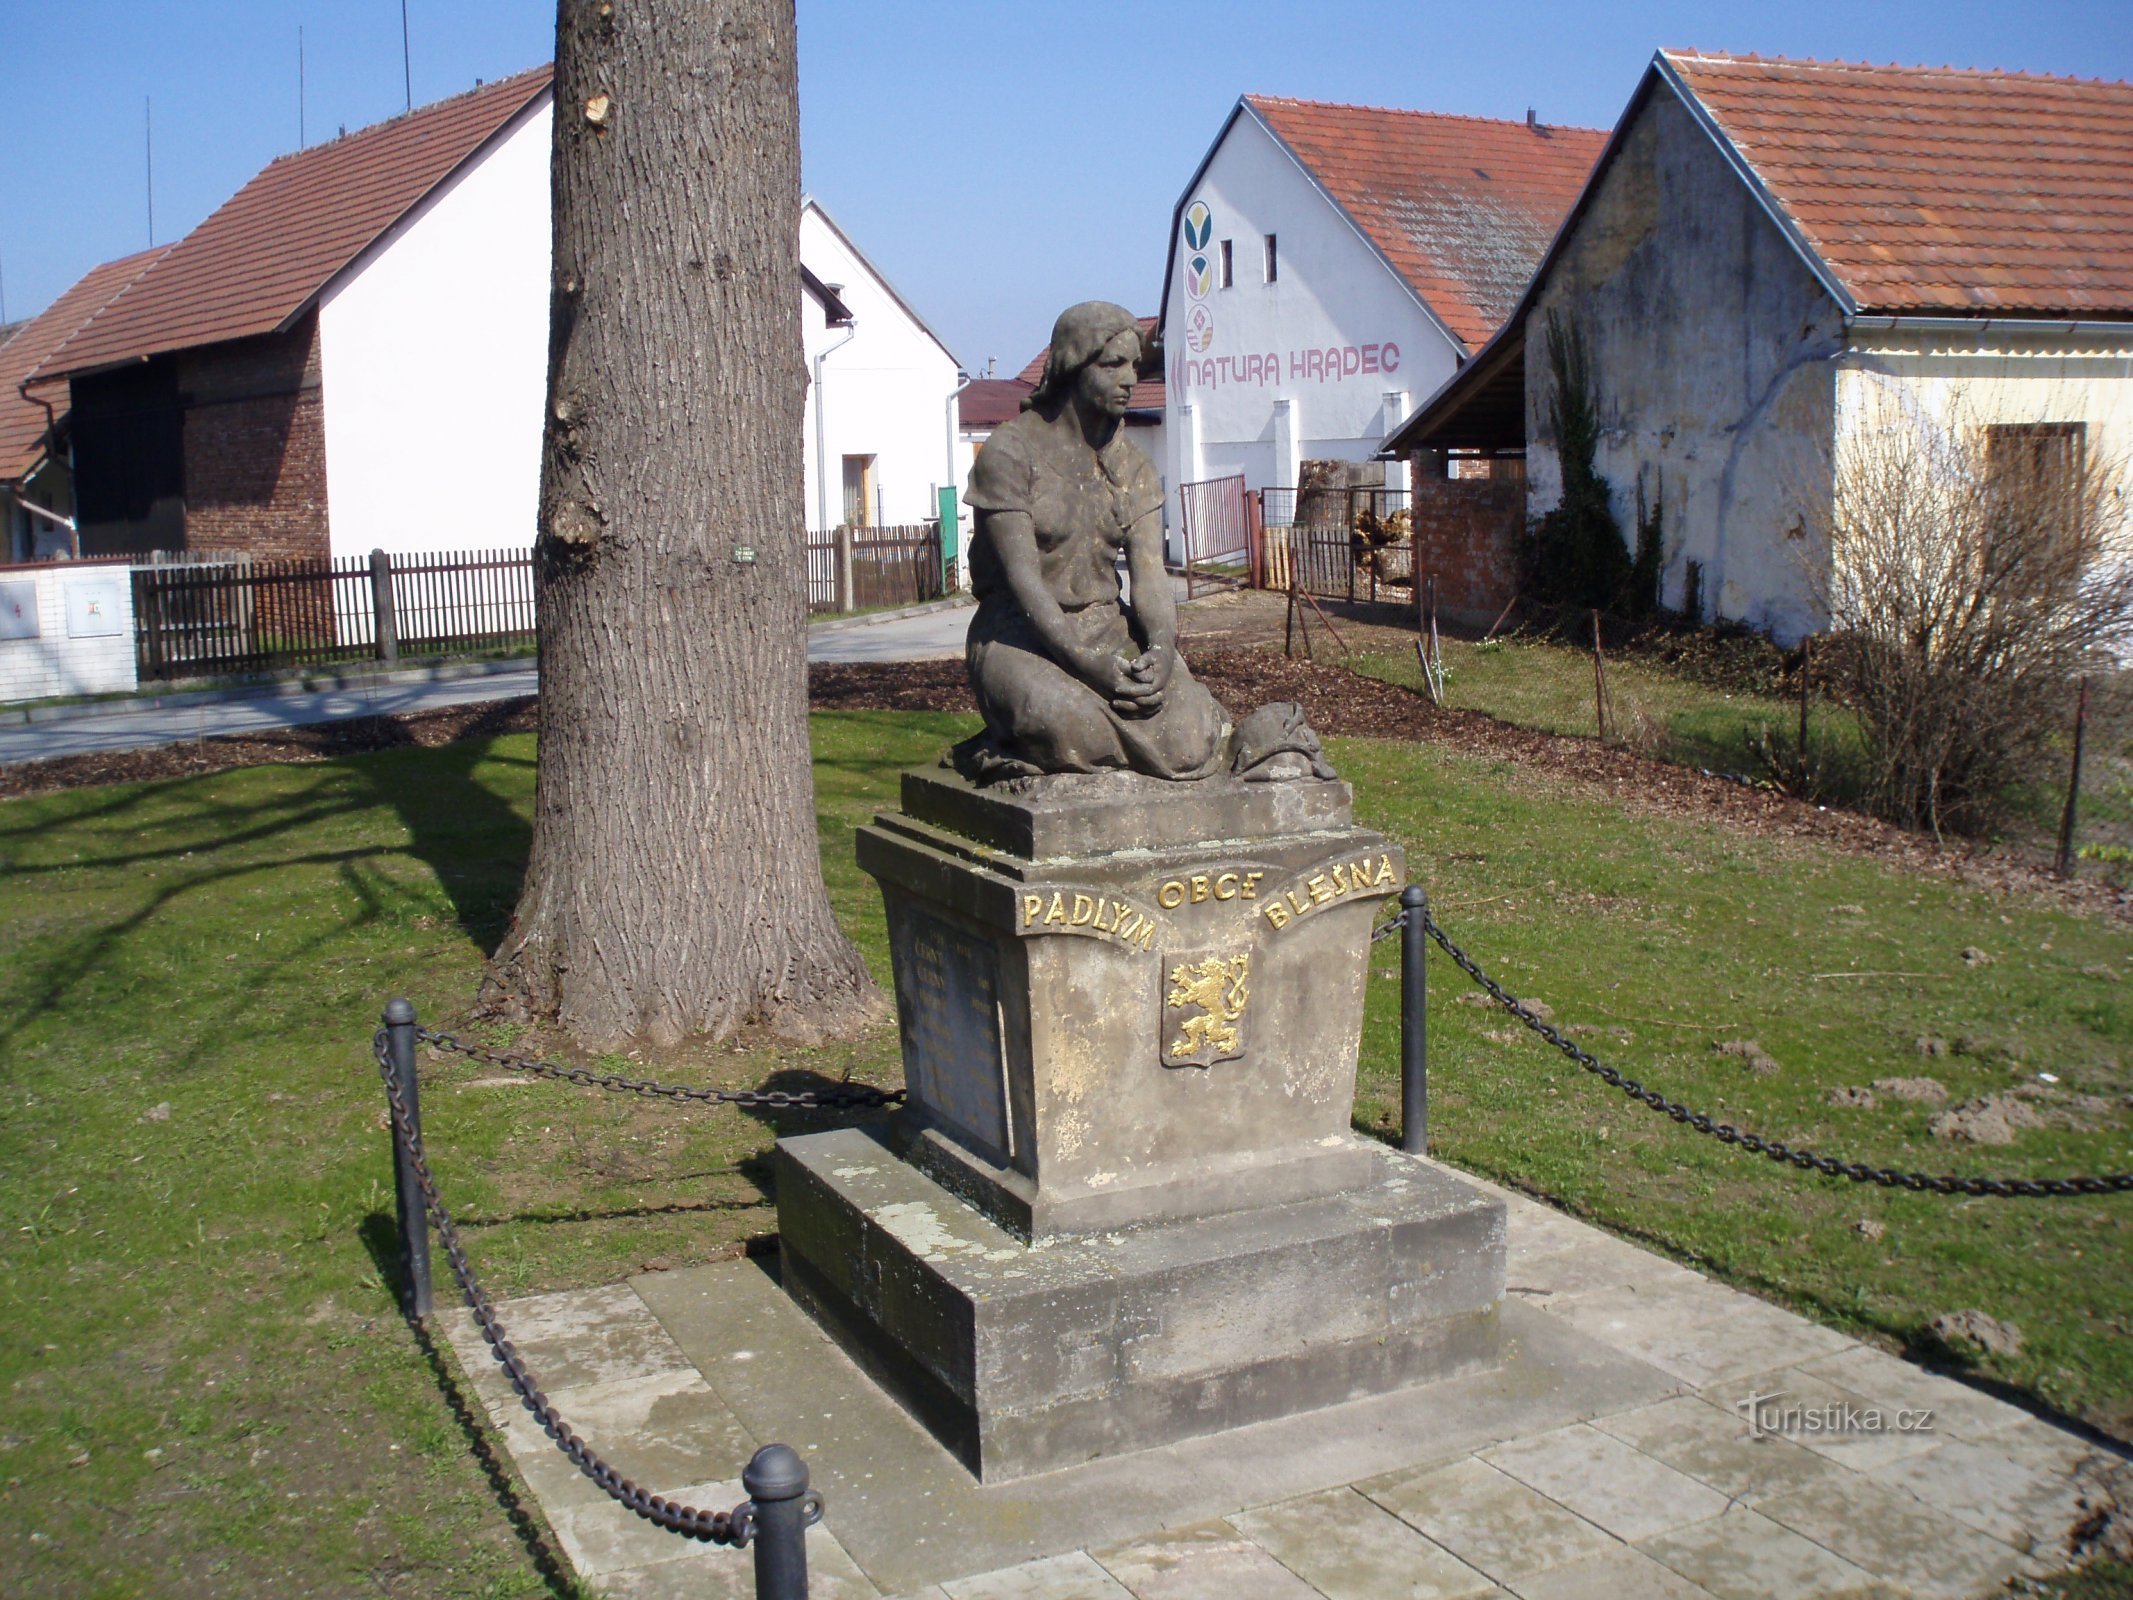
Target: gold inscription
[(1089, 913), (1324, 888), (1233, 884)]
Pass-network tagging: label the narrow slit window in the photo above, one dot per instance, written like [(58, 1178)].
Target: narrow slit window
[(1273, 263), (1227, 276)]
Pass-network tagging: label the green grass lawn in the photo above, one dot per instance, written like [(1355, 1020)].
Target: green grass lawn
[(209, 1391), (1537, 684)]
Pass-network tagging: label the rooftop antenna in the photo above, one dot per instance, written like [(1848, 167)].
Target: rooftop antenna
[(148, 152), (299, 86), (407, 74)]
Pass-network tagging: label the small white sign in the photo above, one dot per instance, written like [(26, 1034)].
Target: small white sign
[(18, 611), (95, 609)]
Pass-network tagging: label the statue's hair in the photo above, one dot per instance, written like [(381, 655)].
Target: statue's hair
[(1078, 337)]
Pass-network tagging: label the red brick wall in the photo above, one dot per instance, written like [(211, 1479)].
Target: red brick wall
[(255, 446), (1466, 536)]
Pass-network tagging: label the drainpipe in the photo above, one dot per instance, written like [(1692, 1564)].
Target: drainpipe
[(964, 381), (821, 445), (51, 430)]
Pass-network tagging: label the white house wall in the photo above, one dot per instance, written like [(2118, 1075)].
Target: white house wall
[(434, 358), (1337, 338), (1713, 351), (885, 392), (2002, 372)]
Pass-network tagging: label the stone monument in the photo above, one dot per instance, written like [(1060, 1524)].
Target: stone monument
[(1123, 1205)]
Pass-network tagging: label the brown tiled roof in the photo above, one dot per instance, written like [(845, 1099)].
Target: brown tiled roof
[(1932, 189), (23, 422), (1148, 394), (988, 402), (1463, 207), (276, 242)]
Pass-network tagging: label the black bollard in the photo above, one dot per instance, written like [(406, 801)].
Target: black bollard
[(776, 1481), (1414, 1022), (414, 1221)]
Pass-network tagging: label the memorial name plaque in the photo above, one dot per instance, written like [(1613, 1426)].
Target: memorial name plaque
[(948, 1002)]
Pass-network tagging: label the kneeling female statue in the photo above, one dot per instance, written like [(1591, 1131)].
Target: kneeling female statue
[(1070, 677)]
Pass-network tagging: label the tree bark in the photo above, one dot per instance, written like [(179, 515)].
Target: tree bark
[(675, 886)]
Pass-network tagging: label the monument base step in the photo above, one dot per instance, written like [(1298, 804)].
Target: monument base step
[(1023, 1359)]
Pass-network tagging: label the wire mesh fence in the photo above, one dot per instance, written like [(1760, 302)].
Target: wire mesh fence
[(1731, 702)]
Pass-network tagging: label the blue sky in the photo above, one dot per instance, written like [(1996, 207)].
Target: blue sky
[(998, 161)]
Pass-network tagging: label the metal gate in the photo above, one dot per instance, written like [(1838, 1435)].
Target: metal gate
[(1220, 550)]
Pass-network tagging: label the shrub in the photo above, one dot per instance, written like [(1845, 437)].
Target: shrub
[(1971, 573)]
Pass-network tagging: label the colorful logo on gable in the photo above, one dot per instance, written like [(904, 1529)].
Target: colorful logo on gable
[(1199, 225), (1199, 277), (1199, 329)]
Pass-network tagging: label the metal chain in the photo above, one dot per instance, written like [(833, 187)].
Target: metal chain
[(736, 1527), (1726, 1133), (1389, 927), (844, 1095)]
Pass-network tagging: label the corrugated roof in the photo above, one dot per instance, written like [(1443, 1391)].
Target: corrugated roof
[(23, 422), (1462, 207), (270, 248), (1938, 190)]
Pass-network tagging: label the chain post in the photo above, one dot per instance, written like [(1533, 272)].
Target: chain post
[(1414, 1021), (414, 1223), (776, 1481)]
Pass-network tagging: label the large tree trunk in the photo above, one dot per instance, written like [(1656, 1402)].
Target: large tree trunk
[(674, 886)]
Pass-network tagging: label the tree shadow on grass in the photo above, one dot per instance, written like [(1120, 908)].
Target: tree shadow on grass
[(381, 1237), (474, 839)]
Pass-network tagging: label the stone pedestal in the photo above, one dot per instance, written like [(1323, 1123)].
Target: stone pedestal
[(1124, 1204)]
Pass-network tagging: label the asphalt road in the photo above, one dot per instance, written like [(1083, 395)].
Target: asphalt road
[(136, 724)]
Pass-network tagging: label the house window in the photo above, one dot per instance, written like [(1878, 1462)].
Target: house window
[(1271, 263), (1228, 276), (858, 491), (2034, 474)]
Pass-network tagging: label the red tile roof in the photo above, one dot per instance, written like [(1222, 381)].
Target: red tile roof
[(1148, 394), (1463, 207), (23, 422), (276, 242), (1933, 189)]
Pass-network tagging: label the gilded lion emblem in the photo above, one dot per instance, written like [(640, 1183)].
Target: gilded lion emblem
[(1214, 990)]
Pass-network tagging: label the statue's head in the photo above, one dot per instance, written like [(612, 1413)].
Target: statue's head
[(1097, 334)]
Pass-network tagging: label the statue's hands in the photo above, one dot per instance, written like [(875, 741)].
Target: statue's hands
[(1147, 680)]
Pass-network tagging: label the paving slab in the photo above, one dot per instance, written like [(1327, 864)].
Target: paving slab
[(1208, 1560), (1074, 1576), (1713, 1446), (1348, 1547), (1743, 1555), (1607, 1482), (1959, 1408), (1777, 1397), (1988, 1490), (1620, 1573), (1896, 1537), (1492, 1521), (1701, 1332)]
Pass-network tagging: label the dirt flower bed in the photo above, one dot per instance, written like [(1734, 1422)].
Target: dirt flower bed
[(1336, 701)]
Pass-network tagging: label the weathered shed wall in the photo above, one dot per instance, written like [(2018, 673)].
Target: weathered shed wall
[(1714, 354)]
